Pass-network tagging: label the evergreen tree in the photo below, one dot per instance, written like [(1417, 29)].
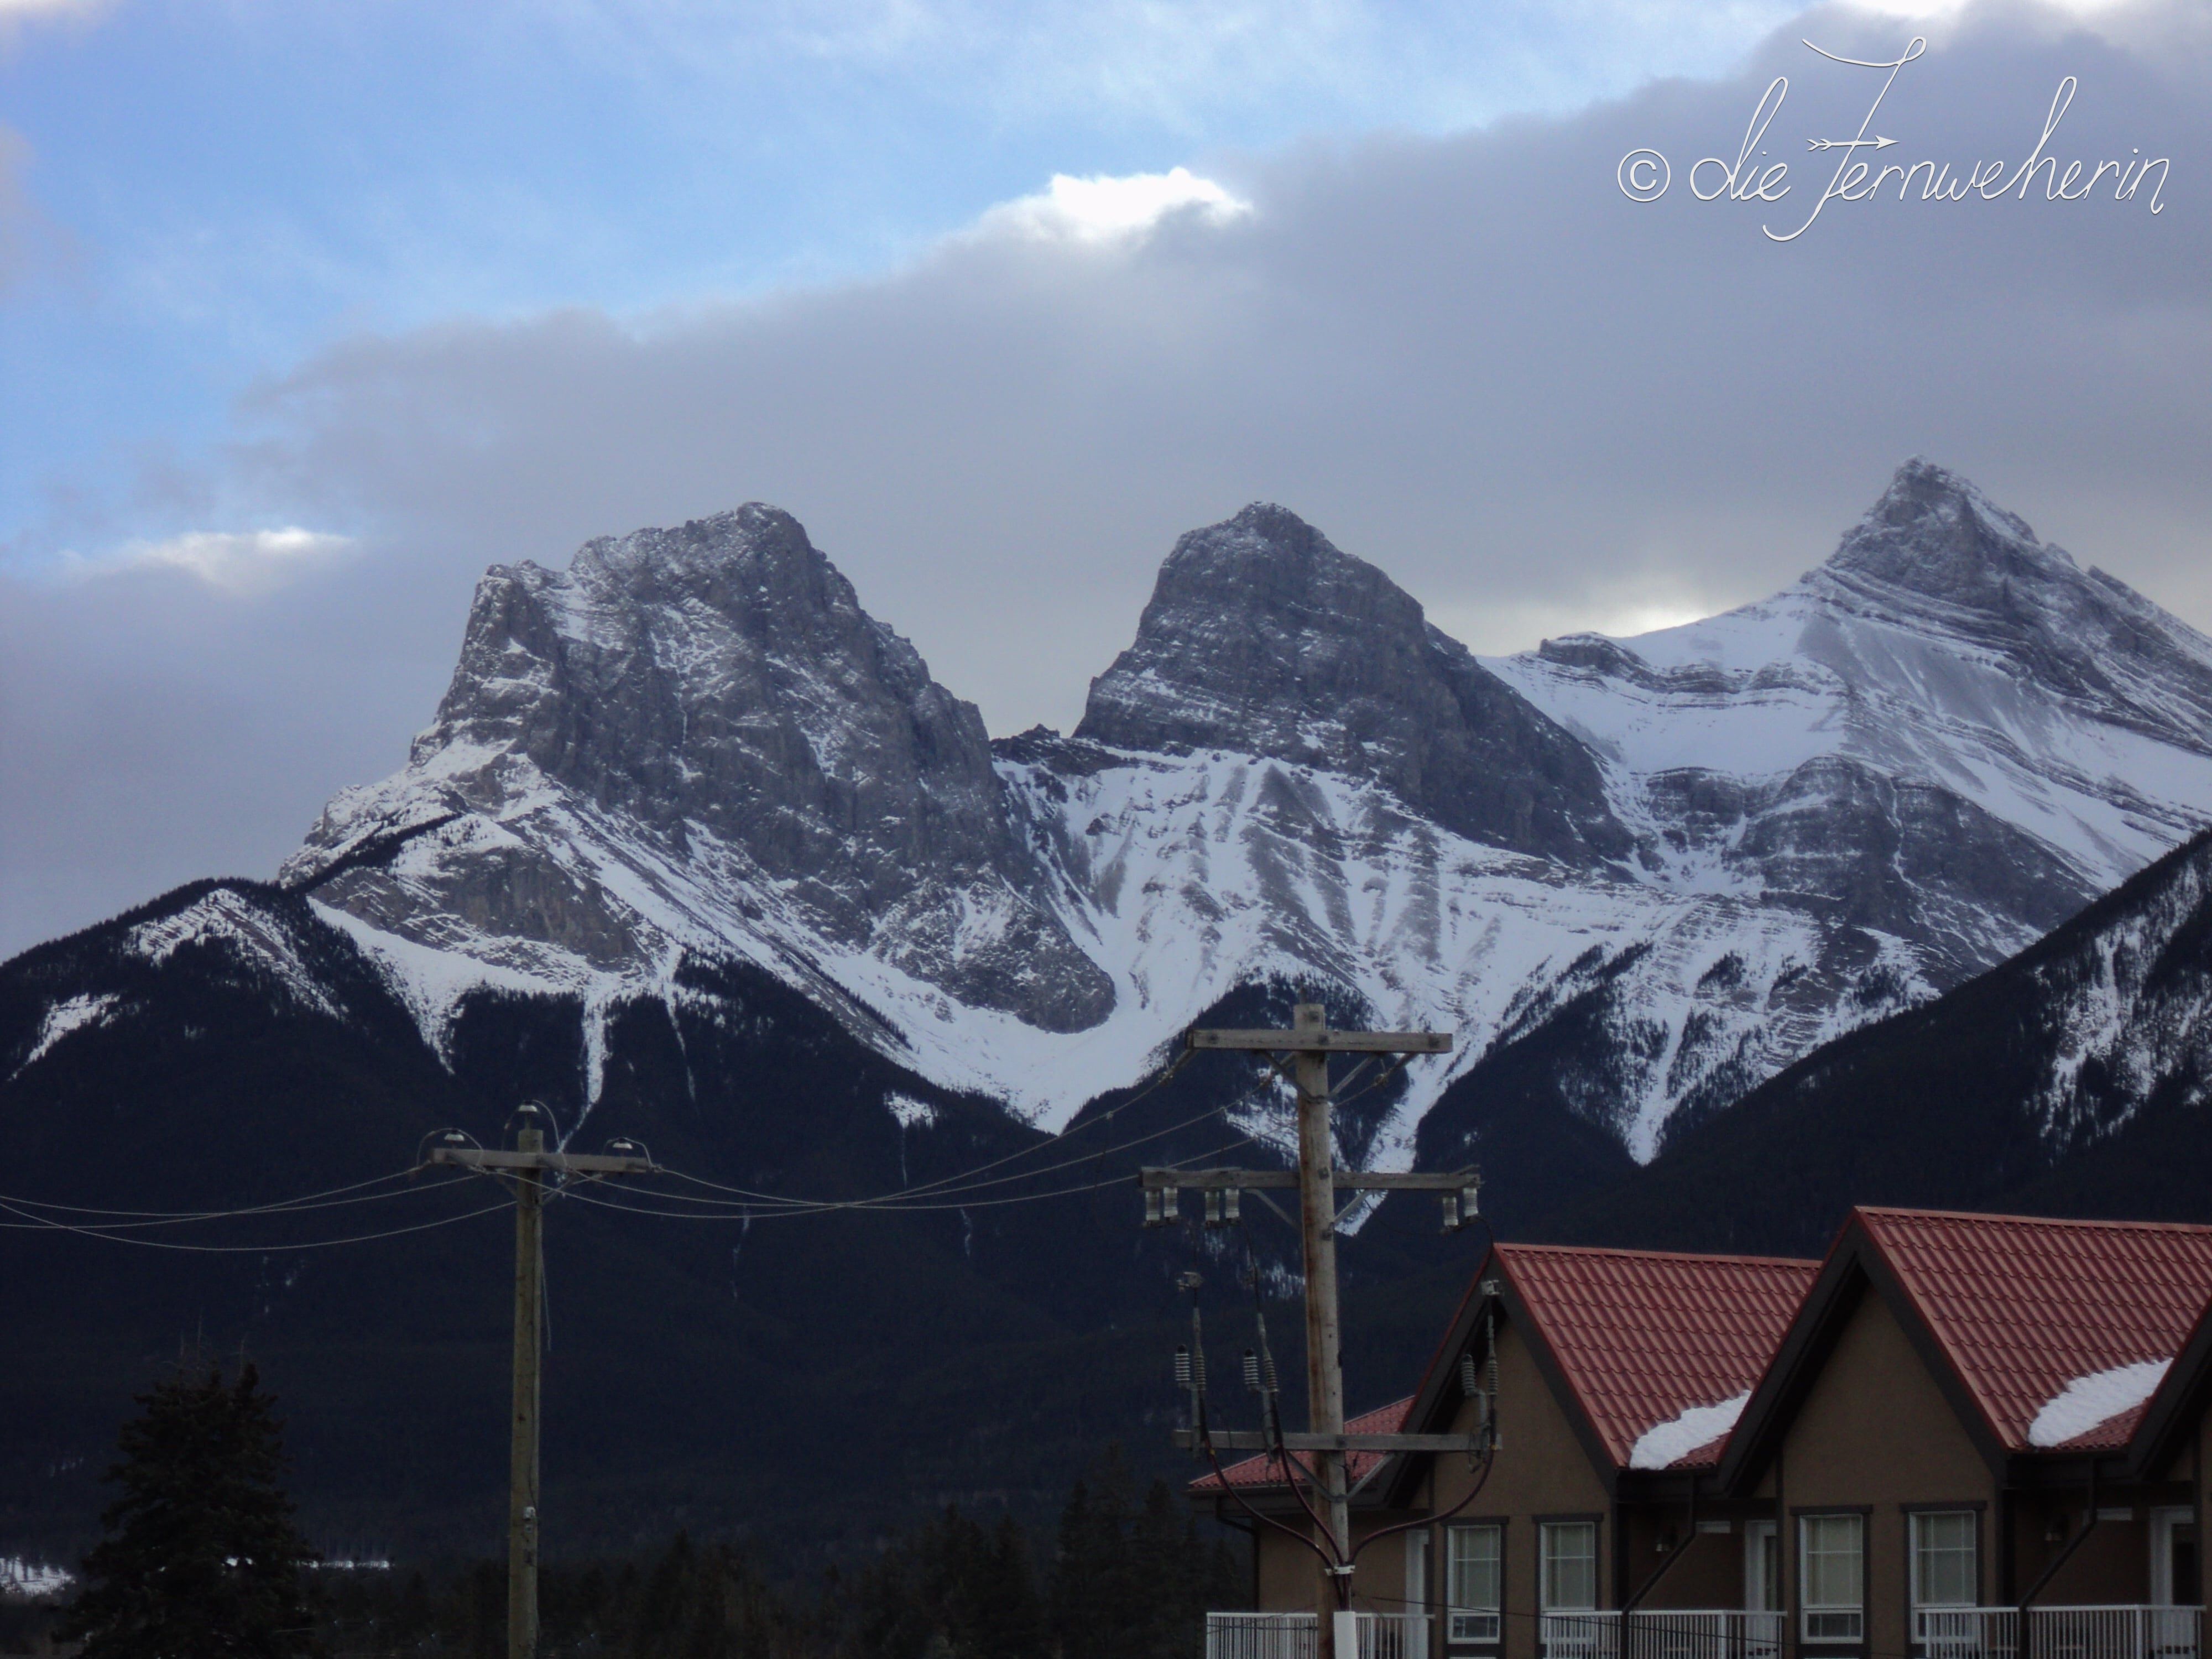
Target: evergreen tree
[(1098, 1600), (201, 1559)]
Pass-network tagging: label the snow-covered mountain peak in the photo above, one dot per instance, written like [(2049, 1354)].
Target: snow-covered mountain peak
[(687, 729), (1263, 638), (2048, 716), (1935, 534)]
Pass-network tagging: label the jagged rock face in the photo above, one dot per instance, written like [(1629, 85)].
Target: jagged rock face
[(722, 676), (711, 701), (1262, 638)]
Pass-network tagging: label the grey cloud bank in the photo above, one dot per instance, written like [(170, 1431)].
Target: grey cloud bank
[(1537, 403)]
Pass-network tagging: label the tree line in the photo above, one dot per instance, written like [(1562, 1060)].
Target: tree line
[(201, 1557)]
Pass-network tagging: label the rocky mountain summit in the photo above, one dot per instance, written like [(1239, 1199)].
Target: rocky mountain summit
[(1703, 852), (710, 711), (1263, 639), (1948, 733)]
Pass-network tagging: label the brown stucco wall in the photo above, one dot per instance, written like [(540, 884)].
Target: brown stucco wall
[(1541, 1470), (1875, 1432)]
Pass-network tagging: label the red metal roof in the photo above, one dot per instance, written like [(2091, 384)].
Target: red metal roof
[(1643, 1337), (1265, 1471), (2023, 1307)]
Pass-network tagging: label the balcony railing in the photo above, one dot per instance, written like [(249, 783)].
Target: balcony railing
[(1663, 1633), (2107, 1632), (1296, 1636)]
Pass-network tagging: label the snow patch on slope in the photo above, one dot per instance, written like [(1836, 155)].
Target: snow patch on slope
[(255, 937), (431, 983), (2120, 1031), (74, 1014)]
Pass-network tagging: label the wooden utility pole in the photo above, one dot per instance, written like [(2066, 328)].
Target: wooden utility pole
[(1310, 1043), (1317, 1241), (529, 1163), (522, 1444)]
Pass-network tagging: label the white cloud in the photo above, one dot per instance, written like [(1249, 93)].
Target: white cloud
[(1105, 209), (15, 13), (244, 562)]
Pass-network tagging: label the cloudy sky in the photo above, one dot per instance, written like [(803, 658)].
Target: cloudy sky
[(309, 311)]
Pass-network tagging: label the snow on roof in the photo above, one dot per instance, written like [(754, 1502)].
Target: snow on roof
[(1665, 1444), (2088, 1402), (2043, 1319), (1655, 1345)]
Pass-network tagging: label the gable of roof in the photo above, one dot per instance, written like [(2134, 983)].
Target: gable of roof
[(1651, 1353), (2048, 1337), (2170, 1414), (1263, 1471), (2059, 1330), (1659, 1350)]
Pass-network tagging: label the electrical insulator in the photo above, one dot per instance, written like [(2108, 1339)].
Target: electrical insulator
[(1470, 1383), (1212, 1207), (1232, 1204), (1170, 1204), (1197, 1370), (1267, 1367), (1450, 1202), (1470, 1203), (1251, 1371), (1182, 1368)]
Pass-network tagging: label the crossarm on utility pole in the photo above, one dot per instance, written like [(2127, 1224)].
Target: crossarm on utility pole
[(1355, 1181), (1259, 1440), (479, 1157), (1323, 1042)]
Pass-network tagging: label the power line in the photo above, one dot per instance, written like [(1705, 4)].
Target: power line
[(302, 1201), (942, 1188), (927, 1188), (181, 1218), (47, 1223), (900, 1209)]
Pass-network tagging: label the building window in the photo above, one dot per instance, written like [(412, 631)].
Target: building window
[(1944, 1573), (1473, 1580), (1570, 1563), (1762, 1567), (1831, 1567)]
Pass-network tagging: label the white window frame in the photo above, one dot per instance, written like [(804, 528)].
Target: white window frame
[(1921, 1602), (1830, 1622), (1762, 1590), (1547, 1559), (1465, 1621)]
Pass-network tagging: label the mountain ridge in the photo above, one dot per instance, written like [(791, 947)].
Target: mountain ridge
[(855, 969), (1770, 826)]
